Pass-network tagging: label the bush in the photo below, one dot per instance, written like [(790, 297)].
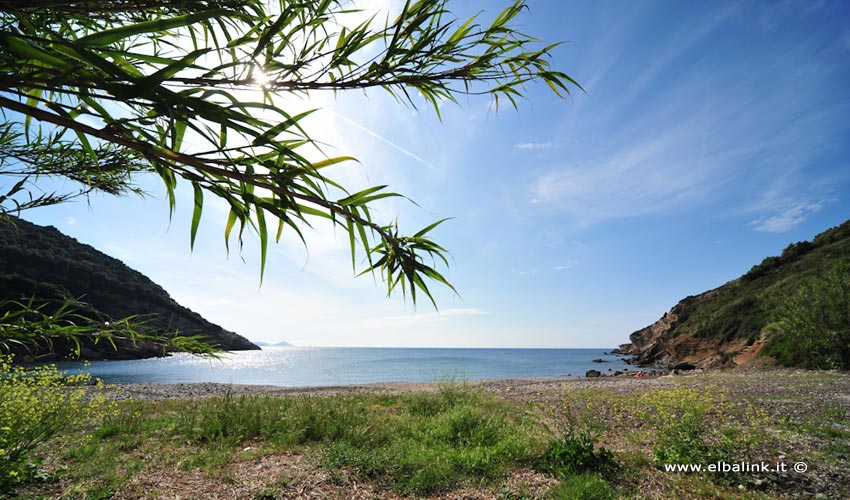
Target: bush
[(36, 403), (815, 323), (574, 448), (575, 451)]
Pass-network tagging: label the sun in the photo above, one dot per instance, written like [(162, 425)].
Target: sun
[(262, 79)]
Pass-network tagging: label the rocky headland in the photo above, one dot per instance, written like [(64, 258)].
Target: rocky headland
[(42, 263)]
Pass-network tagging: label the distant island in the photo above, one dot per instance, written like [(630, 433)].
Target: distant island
[(267, 344)]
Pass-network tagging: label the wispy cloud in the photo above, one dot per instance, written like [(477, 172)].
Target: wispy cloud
[(388, 142), (638, 179), (570, 264), (682, 42), (749, 151), (533, 146), (774, 15), (787, 219), (844, 40)]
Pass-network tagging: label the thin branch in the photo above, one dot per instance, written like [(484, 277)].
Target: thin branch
[(174, 158)]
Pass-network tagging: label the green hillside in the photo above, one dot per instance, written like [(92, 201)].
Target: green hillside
[(713, 328), (746, 305)]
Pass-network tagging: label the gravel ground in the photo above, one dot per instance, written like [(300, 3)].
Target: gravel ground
[(511, 388)]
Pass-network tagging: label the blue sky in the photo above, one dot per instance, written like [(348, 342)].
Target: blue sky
[(711, 135)]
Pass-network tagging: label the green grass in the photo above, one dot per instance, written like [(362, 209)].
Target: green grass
[(589, 444), (413, 443), (584, 486)]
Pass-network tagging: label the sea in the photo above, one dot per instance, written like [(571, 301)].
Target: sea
[(332, 366)]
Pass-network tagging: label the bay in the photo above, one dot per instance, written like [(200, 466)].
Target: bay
[(328, 366)]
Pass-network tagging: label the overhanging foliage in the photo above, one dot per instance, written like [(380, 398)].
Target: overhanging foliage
[(101, 91)]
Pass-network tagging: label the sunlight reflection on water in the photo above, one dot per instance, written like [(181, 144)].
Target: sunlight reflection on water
[(321, 366)]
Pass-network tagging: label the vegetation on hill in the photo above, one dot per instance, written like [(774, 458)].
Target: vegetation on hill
[(815, 322), (796, 304), (42, 263)]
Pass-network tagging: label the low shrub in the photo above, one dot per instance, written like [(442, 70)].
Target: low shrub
[(35, 404), (575, 451), (814, 323)]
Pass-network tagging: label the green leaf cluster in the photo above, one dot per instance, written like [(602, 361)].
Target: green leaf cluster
[(814, 322), (33, 325), (194, 91)]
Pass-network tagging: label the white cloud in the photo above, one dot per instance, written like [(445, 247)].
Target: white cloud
[(570, 264), (533, 146), (788, 218)]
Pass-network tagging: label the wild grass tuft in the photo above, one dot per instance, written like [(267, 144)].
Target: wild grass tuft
[(585, 486), (434, 441)]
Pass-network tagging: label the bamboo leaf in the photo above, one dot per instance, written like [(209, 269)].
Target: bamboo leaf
[(354, 198), (262, 231), (332, 161), (196, 214), (110, 36), (231, 220), (428, 228)]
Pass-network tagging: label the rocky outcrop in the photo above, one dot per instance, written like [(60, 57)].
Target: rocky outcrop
[(663, 345), (655, 345), (44, 263)]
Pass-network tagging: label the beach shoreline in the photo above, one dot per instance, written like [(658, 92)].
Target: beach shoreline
[(512, 388)]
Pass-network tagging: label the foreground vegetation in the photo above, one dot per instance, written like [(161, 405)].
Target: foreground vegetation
[(461, 441)]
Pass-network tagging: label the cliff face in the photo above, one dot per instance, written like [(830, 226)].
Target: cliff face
[(41, 261), (654, 346), (729, 325)]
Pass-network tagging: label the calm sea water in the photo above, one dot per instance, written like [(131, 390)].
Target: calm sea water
[(322, 366)]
